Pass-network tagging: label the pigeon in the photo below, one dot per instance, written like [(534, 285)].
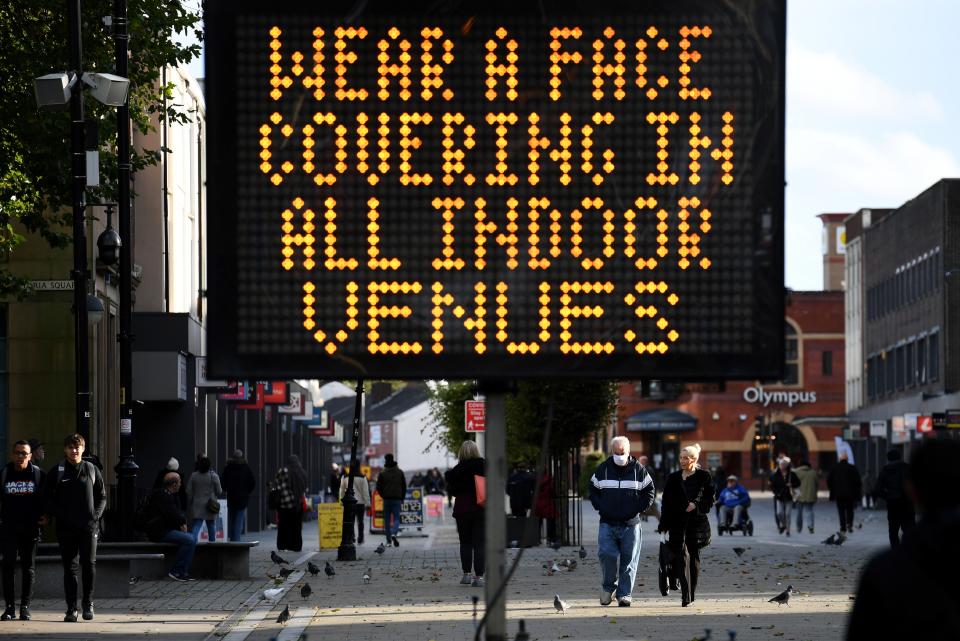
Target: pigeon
[(306, 591), (556, 545), (380, 549), (135, 580), (572, 566), (583, 552), (560, 605), (284, 616), (739, 551), (366, 576), (276, 558), (272, 594), (783, 598), (835, 539), (285, 572), (312, 569), (565, 563), (555, 567), (328, 569)]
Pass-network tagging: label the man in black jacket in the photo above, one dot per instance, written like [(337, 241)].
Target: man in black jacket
[(238, 482), (166, 523), (620, 490), (392, 486), (21, 509), (891, 487), (845, 487), (911, 591), (76, 497)]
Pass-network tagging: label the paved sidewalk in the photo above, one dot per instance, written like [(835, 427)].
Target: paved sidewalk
[(414, 593)]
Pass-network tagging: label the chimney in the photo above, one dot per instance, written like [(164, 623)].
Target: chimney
[(834, 248)]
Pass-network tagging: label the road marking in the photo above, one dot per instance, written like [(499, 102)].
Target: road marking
[(304, 558), (256, 616), (297, 624)]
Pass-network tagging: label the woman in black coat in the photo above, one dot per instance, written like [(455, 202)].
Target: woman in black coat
[(687, 499)]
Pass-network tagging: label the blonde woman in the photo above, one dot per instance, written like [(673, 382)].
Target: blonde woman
[(687, 500), (468, 514)]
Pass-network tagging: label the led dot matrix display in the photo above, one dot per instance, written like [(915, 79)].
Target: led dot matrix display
[(487, 189)]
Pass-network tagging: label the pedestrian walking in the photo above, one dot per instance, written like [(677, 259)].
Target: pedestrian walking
[(75, 496), (807, 496), (468, 513), (333, 483), (687, 499), (546, 507), (844, 485), (520, 486), (238, 482), (37, 452), (21, 512), (392, 486), (203, 488), (361, 490), (891, 487), (783, 483), (165, 522), (911, 590), (291, 481), (620, 490)]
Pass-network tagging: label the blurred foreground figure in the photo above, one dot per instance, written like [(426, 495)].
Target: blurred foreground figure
[(913, 588)]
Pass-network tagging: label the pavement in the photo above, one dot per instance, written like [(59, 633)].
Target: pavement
[(414, 593)]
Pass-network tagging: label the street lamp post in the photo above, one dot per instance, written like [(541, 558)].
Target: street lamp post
[(348, 550)]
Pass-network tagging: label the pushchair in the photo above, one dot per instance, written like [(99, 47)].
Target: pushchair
[(744, 525)]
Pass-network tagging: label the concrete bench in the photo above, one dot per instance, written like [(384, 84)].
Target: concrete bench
[(220, 560), (113, 574)]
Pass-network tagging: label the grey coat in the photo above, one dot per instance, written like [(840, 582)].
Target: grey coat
[(200, 489)]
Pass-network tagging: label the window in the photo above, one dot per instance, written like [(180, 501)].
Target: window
[(792, 375), (881, 367), (922, 360), (826, 363), (900, 368), (933, 355), (891, 371), (872, 377), (910, 364)]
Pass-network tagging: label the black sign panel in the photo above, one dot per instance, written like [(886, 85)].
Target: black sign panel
[(496, 190)]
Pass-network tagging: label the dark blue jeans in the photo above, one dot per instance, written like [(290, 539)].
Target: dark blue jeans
[(188, 544), (238, 524), (391, 508)]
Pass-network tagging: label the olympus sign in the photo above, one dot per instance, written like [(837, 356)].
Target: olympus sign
[(790, 398)]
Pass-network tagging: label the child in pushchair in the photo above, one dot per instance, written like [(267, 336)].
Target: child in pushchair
[(734, 501)]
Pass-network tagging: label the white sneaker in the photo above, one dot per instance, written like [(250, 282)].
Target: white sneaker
[(605, 597), (466, 580), (624, 601)]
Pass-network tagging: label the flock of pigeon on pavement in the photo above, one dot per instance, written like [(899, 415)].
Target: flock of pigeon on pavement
[(561, 606)]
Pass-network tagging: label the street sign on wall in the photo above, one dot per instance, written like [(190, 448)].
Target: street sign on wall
[(484, 189)]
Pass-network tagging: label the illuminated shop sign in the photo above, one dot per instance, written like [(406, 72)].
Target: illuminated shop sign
[(479, 189)]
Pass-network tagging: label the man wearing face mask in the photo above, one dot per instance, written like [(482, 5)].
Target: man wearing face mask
[(620, 490)]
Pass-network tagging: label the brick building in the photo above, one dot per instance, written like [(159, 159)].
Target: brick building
[(743, 426)]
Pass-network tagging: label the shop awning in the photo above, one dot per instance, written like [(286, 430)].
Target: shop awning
[(662, 419)]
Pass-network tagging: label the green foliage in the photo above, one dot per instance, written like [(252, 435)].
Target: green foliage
[(590, 463), (35, 145), (579, 409)]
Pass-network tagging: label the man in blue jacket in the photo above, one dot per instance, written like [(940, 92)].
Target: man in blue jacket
[(733, 498), (620, 489)]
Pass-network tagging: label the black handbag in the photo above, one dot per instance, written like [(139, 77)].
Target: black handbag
[(213, 505), (273, 500)]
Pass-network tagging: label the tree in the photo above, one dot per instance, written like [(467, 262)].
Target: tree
[(35, 172), (579, 409)]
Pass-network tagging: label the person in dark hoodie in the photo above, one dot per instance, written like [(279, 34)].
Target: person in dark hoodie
[(891, 487), (238, 482), (911, 591), (392, 486), (845, 488), (620, 490), (75, 496), (21, 508), (467, 513)]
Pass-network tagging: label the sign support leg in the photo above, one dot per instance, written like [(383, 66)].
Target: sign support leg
[(495, 441)]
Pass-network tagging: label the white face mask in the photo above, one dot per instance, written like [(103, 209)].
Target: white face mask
[(621, 459)]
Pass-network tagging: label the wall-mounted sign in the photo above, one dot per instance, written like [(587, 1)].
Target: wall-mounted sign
[(294, 405), (924, 424), (201, 375), (778, 397), (562, 189), (939, 420), (878, 428), (275, 392), (237, 391), (52, 285), (953, 419)]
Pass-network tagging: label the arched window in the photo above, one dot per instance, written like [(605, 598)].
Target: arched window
[(792, 357)]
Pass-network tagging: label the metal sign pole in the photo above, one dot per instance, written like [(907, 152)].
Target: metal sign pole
[(495, 442)]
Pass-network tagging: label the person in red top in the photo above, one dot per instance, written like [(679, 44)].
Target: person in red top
[(546, 508)]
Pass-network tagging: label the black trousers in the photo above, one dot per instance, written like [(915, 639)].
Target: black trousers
[(24, 544), (470, 529), (78, 554), (845, 510), (687, 567), (290, 529), (900, 517)]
